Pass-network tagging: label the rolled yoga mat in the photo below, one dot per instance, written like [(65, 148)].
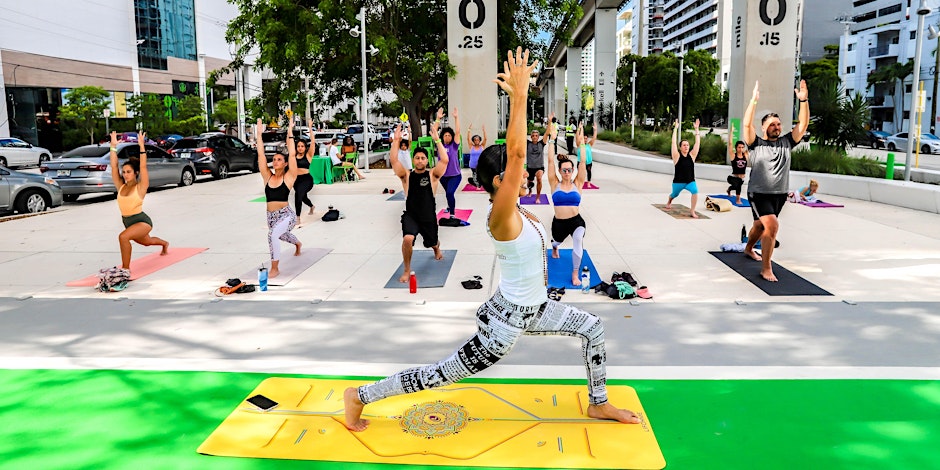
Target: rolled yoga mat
[(465, 424), (787, 283), (429, 271)]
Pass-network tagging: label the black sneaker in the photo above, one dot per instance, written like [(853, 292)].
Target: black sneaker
[(628, 278)]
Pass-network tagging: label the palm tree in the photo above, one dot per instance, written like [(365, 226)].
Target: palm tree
[(896, 73)]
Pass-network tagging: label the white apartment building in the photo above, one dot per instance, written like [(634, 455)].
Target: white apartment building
[(166, 48), (880, 46), (868, 14), (699, 25), (625, 34), (587, 64)]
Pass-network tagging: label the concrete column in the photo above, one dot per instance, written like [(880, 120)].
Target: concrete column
[(547, 96), (763, 48), (605, 60), (558, 95), (573, 79), (471, 46), (4, 114)]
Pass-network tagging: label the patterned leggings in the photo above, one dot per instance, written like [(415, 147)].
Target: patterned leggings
[(499, 325), (280, 223)]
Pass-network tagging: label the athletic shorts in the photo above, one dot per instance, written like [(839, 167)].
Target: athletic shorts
[(426, 228), (133, 219), (766, 204), (564, 228), (678, 187), (532, 171)]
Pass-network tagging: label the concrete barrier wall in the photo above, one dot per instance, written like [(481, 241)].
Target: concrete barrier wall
[(919, 196)]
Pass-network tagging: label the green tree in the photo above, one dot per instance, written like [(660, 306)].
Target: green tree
[(837, 120), (86, 107), (587, 97), (150, 112), (226, 112), (894, 73)]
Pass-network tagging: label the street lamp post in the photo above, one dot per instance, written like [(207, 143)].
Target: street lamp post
[(682, 71), (360, 32), (633, 103), (922, 11)]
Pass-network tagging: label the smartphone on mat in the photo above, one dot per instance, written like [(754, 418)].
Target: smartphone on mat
[(262, 402)]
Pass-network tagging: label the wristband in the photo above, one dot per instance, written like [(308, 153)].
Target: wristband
[(803, 101), (753, 101), (437, 141), (114, 149)]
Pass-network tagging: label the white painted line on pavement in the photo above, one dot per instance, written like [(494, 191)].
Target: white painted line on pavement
[(274, 366)]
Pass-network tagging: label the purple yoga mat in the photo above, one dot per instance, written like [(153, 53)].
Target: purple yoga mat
[(530, 200), (820, 204)]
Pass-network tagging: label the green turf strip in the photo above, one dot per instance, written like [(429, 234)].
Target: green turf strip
[(100, 419)]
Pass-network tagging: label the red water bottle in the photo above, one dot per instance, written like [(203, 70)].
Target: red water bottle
[(413, 283)]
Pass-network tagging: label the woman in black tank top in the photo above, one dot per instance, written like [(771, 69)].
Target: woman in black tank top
[(304, 182), (738, 155), (278, 182), (684, 160)]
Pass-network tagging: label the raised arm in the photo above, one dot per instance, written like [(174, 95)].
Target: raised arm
[(698, 142), (469, 131), (397, 167), (440, 166), (115, 169), (456, 127), (731, 151), (484, 137), (674, 142), (580, 141), (748, 133), (593, 138), (551, 167), (143, 181), (291, 173), (259, 146), (505, 221), (802, 94)]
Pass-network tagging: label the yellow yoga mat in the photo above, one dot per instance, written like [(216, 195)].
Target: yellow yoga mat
[(483, 425)]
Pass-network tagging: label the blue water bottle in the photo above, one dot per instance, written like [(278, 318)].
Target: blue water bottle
[(263, 279), (585, 280)]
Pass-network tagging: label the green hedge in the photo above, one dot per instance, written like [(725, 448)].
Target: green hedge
[(821, 159)]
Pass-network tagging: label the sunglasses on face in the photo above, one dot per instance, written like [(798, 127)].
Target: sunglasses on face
[(567, 170)]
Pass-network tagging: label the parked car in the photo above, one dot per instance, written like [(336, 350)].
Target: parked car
[(217, 154), (873, 139), (355, 130), (385, 134), (87, 169), (275, 141), (129, 137), (167, 141), (321, 138), (27, 193), (16, 153), (929, 143)]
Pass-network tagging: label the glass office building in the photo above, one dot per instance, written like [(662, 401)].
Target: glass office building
[(168, 29)]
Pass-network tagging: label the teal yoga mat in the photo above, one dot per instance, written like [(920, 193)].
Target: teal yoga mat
[(429, 271), (559, 270)]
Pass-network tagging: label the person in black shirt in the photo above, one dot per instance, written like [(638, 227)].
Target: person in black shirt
[(684, 160), (420, 185), (738, 154)]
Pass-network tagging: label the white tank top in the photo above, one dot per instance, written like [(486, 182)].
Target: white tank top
[(522, 263)]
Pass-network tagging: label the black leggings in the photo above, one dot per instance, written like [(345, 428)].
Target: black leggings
[(736, 184), (588, 166), (302, 185)]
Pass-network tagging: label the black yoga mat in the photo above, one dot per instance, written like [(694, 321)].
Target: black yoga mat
[(787, 283), (429, 271)]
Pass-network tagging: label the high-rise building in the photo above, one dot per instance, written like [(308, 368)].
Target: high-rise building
[(624, 33), (165, 48), (587, 64), (868, 14), (699, 25)]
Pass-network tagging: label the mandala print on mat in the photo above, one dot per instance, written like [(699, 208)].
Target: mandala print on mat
[(434, 419)]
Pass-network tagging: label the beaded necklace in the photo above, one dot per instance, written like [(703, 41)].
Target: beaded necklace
[(525, 215)]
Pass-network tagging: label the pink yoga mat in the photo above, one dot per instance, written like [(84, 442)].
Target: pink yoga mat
[(473, 189), (589, 185), (462, 214), (820, 204), (145, 265), (530, 199)]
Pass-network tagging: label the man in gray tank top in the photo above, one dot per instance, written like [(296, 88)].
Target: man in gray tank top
[(770, 174)]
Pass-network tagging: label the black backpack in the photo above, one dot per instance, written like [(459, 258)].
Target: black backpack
[(331, 215)]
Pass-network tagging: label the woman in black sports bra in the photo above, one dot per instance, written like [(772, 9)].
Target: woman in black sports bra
[(738, 155), (304, 182), (278, 182)]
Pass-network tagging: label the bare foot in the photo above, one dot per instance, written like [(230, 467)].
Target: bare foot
[(354, 407), (273, 272), (437, 254), (768, 275), (694, 215), (536, 200), (297, 249), (753, 254), (404, 277), (555, 252), (738, 202), (575, 279), (607, 411), (669, 206), (311, 210), (728, 192), (166, 249)]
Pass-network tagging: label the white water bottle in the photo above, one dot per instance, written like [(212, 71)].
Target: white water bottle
[(585, 280)]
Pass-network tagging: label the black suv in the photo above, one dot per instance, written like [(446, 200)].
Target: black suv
[(217, 155)]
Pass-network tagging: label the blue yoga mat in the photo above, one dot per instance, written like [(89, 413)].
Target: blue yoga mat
[(559, 270), (744, 201)]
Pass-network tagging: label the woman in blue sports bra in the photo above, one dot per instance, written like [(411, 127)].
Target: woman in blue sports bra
[(566, 198)]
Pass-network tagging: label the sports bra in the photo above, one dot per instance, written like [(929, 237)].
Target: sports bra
[(302, 162), (132, 203), (278, 194), (566, 198)]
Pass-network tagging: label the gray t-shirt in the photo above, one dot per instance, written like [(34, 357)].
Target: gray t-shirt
[(770, 164), (534, 154)]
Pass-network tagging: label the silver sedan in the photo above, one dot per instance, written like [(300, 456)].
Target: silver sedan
[(27, 193), (15, 153), (87, 169)]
